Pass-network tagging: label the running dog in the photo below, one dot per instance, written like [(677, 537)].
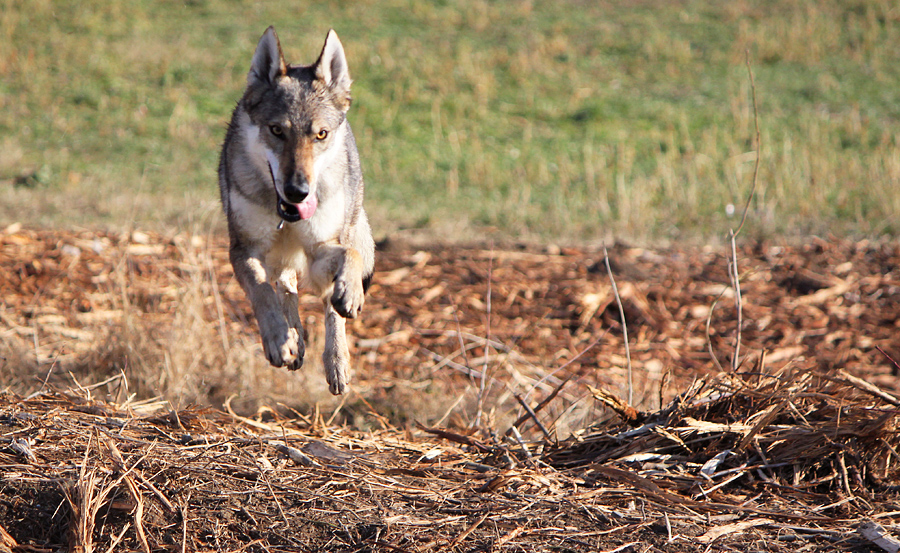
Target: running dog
[(292, 191)]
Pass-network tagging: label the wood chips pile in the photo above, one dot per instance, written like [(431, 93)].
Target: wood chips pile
[(796, 451)]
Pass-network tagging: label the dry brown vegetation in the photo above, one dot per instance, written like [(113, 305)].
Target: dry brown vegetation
[(108, 339)]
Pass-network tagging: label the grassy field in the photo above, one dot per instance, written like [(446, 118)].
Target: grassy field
[(563, 121)]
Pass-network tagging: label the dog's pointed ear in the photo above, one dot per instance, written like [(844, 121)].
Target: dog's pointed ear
[(331, 68), (268, 61)]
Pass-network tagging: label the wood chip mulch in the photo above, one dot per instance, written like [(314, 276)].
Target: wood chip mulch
[(797, 450)]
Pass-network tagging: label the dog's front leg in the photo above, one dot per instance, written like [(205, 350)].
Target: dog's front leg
[(343, 269), (282, 344), (349, 288), (286, 287), (336, 356)]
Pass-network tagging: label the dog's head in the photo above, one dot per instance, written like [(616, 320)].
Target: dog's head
[(297, 116)]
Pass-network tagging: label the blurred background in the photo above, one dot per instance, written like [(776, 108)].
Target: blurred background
[(538, 121)]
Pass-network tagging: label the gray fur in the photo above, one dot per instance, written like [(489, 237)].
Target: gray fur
[(289, 153)]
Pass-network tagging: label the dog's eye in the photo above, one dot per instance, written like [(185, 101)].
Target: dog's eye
[(322, 134), (276, 130)]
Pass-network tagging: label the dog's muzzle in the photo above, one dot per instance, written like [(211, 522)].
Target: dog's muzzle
[(288, 212)]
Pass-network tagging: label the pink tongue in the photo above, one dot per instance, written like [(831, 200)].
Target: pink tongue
[(308, 207)]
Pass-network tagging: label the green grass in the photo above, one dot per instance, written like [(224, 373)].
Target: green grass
[(563, 120)]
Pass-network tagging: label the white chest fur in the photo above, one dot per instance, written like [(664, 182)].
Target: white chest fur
[(295, 245)]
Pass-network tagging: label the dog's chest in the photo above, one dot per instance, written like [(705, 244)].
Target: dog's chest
[(289, 250)]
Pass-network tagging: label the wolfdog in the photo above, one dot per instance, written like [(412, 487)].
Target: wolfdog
[(292, 191)]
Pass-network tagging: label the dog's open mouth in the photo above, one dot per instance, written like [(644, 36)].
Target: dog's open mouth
[(295, 212), (288, 212), (292, 213)]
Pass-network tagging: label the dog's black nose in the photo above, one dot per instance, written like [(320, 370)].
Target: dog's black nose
[(296, 190)]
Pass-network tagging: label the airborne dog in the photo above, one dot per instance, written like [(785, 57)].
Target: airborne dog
[(292, 191)]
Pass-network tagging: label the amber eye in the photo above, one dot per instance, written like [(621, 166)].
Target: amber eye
[(276, 130), (322, 134)]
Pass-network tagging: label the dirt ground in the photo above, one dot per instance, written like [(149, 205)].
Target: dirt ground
[(795, 450)]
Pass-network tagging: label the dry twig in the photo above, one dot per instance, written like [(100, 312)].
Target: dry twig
[(615, 289)]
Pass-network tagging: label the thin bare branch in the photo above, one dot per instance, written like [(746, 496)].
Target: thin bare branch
[(758, 146), (487, 343), (615, 289)]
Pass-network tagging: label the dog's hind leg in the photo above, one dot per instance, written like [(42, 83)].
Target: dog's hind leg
[(286, 288), (336, 356)]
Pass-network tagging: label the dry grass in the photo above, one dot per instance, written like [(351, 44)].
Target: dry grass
[(789, 451), (791, 458), (169, 334)]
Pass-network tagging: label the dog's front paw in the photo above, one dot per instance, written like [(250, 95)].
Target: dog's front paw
[(348, 297), (284, 347), (296, 344)]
